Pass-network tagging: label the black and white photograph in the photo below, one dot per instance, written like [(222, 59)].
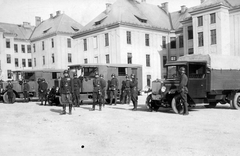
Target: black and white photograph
[(119, 77)]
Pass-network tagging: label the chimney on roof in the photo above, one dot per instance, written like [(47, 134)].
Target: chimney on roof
[(58, 12), (37, 20), (202, 1), (51, 15), (108, 5), (183, 8), (165, 6), (26, 24)]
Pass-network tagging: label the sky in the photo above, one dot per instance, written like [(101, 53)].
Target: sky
[(82, 11)]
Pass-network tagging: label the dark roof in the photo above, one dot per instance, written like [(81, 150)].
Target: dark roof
[(131, 12), (59, 24), (211, 3), (179, 16), (19, 31)]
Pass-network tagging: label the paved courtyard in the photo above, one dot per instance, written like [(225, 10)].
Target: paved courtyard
[(28, 129)]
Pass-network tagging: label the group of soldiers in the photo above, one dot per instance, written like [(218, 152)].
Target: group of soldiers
[(70, 91), (10, 93)]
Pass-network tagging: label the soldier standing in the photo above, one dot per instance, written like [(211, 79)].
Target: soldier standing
[(76, 85), (26, 89), (113, 89), (126, 91), (66, 91), (103, 82), (43, 86), (183, 90), (97, 92), (134, 91), (10, 93)]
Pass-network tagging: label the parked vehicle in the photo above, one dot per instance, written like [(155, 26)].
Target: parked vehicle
[(51, 76), (212, 79), (86, 72)]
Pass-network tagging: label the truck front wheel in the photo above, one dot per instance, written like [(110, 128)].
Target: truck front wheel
[(151, 105), (6, 99), (236, 101), (177, 105)]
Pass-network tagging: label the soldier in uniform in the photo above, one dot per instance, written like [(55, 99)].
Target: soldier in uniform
[(26, 89), (43, 86), (103, 83), (113, 89), (66, 91), (97, 92), (76, 85), (134, 91), (10, 93), (182, 89), (126, 91)]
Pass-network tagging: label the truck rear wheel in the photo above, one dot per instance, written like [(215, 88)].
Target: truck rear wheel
[(177, 105), (236, 101), (6, 100)]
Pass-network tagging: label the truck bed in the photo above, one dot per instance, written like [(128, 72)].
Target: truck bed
[(225, 79)]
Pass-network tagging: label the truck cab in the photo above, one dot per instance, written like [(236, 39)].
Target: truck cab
[(208, 82)]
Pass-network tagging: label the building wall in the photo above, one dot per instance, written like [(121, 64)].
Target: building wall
[(222, 46), (60, 51), (118, 49), (19, 55), (235, 32)]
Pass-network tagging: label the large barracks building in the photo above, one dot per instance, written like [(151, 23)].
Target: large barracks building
[(126, 32)]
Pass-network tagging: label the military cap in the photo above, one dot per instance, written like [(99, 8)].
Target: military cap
[(182, 69), (65, 72)]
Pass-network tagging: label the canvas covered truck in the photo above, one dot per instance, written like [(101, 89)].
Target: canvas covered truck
[(212, 79), (52, 77), (86, 72)]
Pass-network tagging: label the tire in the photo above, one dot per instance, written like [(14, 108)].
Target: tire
[(151, 105), (177, 105), (5, 97), (236, 101), (149, 102), (211, 105)]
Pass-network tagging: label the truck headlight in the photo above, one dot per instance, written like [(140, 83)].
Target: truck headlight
[(163, 89)]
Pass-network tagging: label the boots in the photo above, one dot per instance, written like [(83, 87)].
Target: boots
[(100, 107), (93, 107), (70, 109), (64, 110)]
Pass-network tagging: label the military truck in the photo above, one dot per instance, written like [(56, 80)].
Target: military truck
[(212, 79), (52, 77), (86, 72)]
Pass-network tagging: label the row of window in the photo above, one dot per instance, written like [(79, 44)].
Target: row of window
[(129, 41), (53, 59), (129, 59), (69, 44), (17, 62), (213, 36), (212, 19), (23, 47)]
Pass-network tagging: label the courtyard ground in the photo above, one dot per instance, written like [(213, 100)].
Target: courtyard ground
[(28, 129)]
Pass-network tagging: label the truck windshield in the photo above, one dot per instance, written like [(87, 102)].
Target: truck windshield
[(172, 72), (90, 71)]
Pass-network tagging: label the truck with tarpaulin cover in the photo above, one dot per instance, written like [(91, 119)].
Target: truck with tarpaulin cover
[(52, 77), (212, 79), (86, 72)]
